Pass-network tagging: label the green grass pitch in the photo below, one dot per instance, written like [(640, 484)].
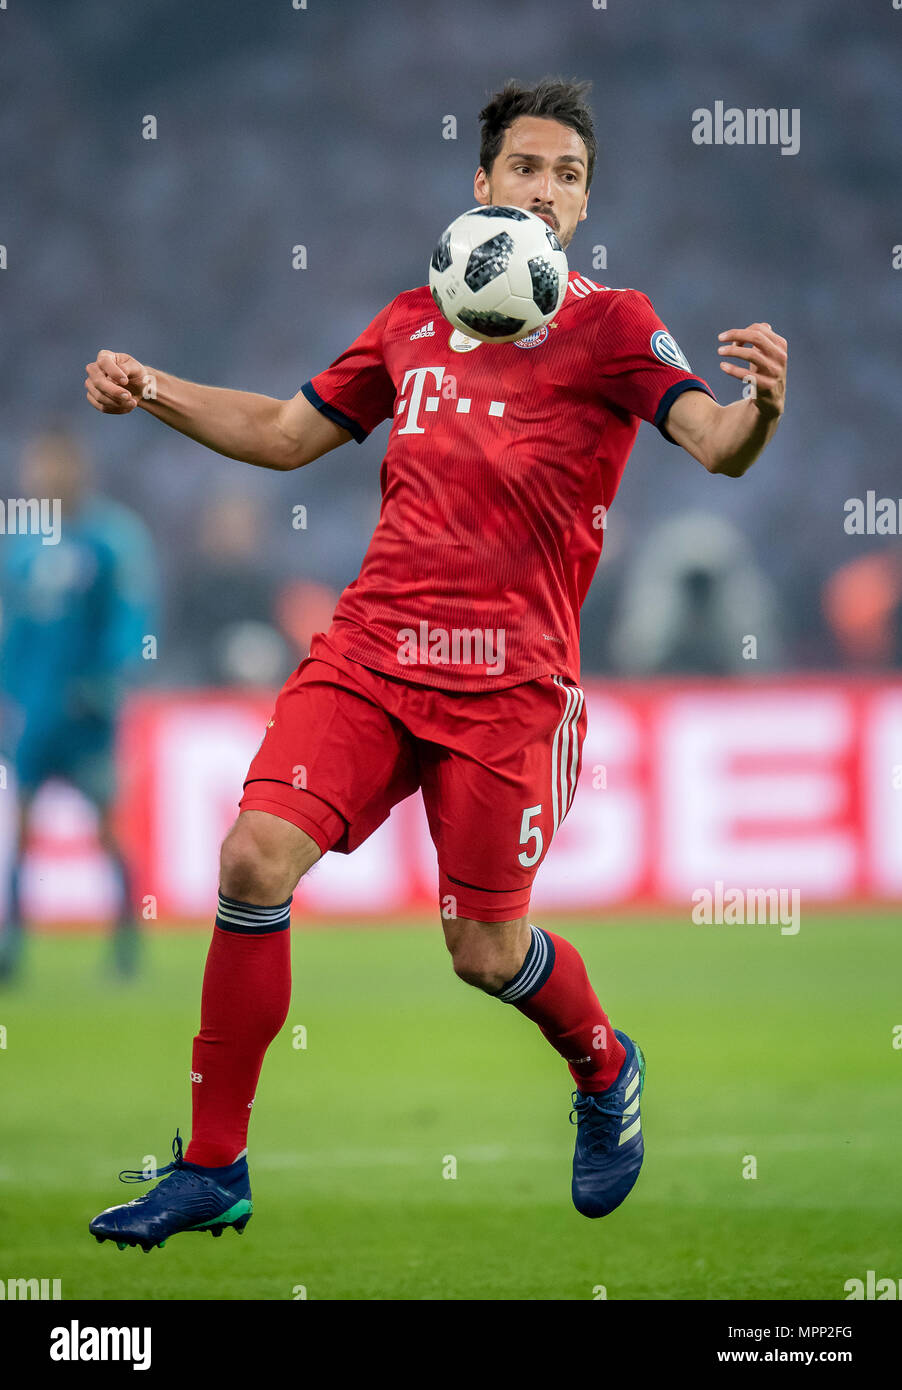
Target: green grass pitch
[(759, 1044)]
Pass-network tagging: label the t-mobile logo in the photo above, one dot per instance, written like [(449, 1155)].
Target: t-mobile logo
[(416, 378)]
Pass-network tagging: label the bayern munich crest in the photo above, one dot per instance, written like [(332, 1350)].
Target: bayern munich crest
[(533, 339)]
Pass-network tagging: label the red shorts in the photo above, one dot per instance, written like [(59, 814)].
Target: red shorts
[(497, 769)]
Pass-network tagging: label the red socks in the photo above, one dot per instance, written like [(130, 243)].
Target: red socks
[(552, 988), (245, 999), (247, 991)]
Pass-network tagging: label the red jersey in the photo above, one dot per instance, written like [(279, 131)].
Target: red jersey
[(502, 461)]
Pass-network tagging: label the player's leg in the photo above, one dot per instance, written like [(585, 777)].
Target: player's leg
[(331, 765), (247, 979), (86, 758), (126, 932), (495, 803), (543, 976), (486, 954), (12, 938), (244, 1003)]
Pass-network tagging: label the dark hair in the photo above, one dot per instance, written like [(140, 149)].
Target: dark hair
[(552, 98)]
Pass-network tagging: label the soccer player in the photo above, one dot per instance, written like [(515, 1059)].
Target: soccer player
[(76, 608), (500, 465)]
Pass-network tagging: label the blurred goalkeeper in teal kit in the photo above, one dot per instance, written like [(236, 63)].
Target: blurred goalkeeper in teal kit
[(78, 589)]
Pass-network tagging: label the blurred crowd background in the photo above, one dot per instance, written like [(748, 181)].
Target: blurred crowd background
[(323, 127)]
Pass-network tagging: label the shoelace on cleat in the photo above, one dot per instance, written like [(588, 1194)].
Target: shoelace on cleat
[(604, 1117), (176, 1166)]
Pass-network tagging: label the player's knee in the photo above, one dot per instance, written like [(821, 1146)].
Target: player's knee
[(262, 862), (486, 955), (483, 963), (245, 873), (481, 974)]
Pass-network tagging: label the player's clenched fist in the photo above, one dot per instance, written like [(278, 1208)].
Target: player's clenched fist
[(115, 382)]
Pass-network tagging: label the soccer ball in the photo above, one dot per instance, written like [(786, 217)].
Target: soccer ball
[(498, 274)]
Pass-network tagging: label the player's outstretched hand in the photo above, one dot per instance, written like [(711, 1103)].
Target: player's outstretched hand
[(114, 382), (765, 354)]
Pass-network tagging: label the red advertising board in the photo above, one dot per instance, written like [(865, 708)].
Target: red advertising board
[(792, 784)]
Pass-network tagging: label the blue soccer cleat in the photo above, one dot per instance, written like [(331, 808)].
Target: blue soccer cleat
[(609, 1145), (186, 1200)]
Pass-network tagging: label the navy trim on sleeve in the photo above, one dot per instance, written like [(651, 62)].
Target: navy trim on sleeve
[(670, 395), (336, 416)]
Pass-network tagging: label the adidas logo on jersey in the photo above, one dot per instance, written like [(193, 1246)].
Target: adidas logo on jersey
[(427, 331)]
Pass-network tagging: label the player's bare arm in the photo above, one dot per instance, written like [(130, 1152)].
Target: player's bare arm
[(255, 429), (728, 438)]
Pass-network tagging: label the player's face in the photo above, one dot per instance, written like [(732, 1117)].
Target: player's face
[(541, 167), (51, 467)]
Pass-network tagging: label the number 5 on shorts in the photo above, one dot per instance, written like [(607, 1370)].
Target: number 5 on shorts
[(530, 832)]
